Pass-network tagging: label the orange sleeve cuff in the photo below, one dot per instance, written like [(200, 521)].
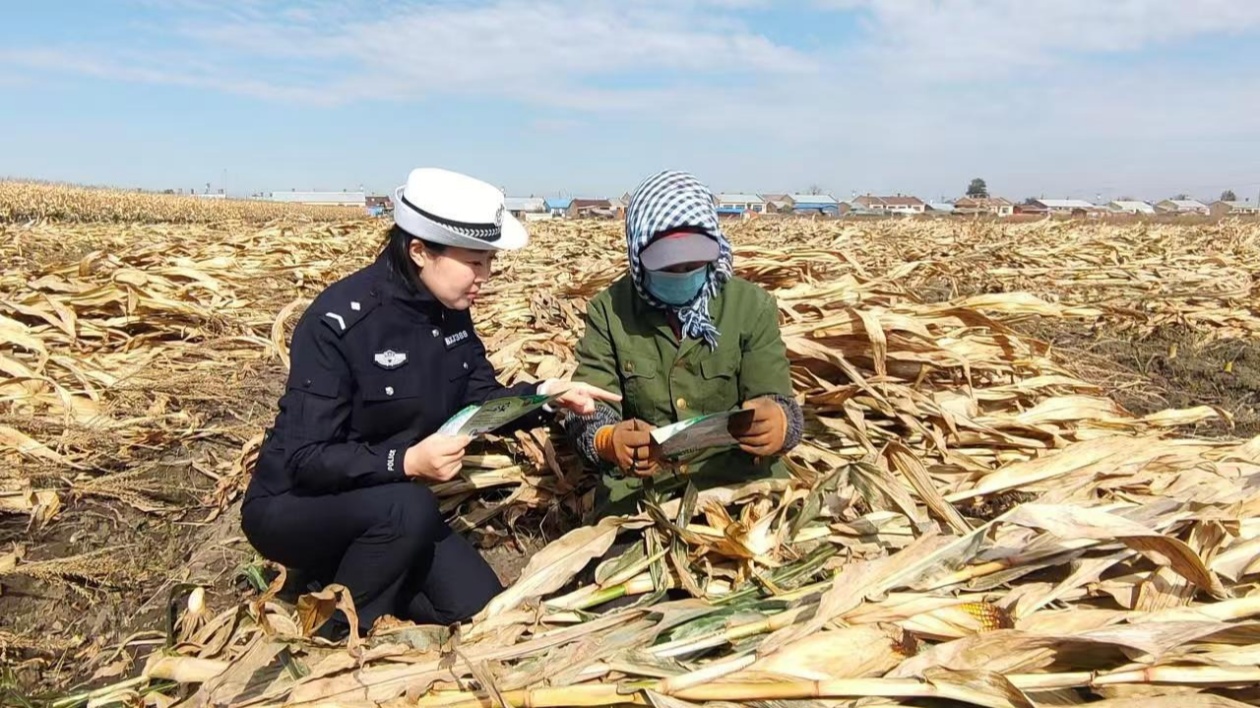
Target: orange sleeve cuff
[(604, 442)]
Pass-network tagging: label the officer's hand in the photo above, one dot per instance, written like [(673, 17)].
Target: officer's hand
[(579, 397), (629, 446), (437, 458)]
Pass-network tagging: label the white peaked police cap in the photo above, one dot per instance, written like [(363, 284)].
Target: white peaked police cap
[(453, 209)]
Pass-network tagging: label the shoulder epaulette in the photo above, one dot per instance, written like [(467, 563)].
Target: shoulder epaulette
[(345, 313)]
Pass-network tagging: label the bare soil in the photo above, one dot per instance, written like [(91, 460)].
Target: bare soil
[(102, 573), (109, 574), (1173, 367)]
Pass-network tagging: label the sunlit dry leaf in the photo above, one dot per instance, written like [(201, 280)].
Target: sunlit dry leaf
[(1075, 522), (129, 340)]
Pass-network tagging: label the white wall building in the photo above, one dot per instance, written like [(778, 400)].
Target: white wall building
[(1124, 206), (1182, 206), (357, 199), (742, 202), (1066, 206), (527, 208)]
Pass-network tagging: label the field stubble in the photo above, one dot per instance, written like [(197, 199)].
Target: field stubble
[(979, 492)]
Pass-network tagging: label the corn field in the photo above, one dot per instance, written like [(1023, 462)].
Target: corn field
[(27, 202), (970, 517)]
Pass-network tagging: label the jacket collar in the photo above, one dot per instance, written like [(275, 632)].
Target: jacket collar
[(414, 295)]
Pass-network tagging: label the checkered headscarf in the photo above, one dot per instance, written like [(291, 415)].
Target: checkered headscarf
[(665, 201)]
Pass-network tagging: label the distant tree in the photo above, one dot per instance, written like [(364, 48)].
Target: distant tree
[(814, 189), (168, 191), (1182, 197), (1031, 201), (1229, 196), (977, 189)]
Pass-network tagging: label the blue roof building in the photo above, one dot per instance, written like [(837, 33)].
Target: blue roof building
[(815, 204), (558, 206)]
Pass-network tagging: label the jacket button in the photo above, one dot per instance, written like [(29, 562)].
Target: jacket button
[(683, 468), (629, 366), (436, 332), (307, 383), (465, 366), (389, 390), (682, 404)]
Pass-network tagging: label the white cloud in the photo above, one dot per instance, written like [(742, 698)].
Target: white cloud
[(536, 51), (927, 89), (592, 55), (597, 54), (963, 39), (539, 44)]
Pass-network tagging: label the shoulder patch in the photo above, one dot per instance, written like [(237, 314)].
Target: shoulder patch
[(341, 317)]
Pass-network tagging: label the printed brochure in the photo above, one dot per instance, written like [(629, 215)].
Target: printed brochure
[(699, 433), (477, 420)]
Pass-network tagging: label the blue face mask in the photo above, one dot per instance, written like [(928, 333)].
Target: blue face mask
[(676, 288)]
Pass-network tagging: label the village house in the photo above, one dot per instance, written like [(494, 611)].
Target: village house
[(1224, 208), (982, 206), (904, 205), (590, 209), (868, 203), (1183, 207), (740, 204), (850, 207), (814, 204), (892, 205), (1125, 206), (343, 198), (1071, 207), (619, 205), (527, 208), (558, 206), (777, 203), (1033, 208)]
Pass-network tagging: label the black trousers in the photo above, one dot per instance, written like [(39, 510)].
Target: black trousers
[(387, 544)]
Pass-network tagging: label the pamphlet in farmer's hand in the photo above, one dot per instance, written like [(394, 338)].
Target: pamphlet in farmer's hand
[(479, 419), (699, 433)]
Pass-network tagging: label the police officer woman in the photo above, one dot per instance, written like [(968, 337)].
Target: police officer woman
[(379, 361)]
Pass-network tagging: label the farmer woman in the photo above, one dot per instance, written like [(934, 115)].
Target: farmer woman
[(678, 337), (380, 360)]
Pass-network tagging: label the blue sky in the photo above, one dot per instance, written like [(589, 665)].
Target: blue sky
[(1062, 98)]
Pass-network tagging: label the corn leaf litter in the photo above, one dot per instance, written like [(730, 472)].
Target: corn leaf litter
[(997, 529)]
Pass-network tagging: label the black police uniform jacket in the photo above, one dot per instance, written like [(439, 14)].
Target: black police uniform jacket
[(376, 366)]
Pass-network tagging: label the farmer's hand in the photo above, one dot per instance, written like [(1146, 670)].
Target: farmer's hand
[(437, 458), (764, 433), (629, 446), (576, 396)]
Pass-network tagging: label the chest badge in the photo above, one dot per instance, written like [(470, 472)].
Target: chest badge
[(390, 359), (456, 338)]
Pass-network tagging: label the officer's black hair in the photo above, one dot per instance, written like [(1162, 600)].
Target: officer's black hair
[(400, 262)]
